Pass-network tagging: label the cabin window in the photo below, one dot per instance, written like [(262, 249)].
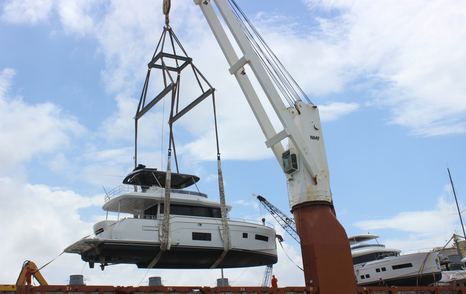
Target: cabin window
[(245, 235), (151, 212), (368, 276), (372, 256), (384, 269), (377, 270), (362, 277), (403, 265), (202, 236), (262, 238), (177, 209)]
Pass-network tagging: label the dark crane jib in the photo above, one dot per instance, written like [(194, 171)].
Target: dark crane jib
[(286, 222)]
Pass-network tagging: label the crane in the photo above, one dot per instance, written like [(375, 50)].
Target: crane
[(286, 222), (324, 242), (267, 275), (30, 270)]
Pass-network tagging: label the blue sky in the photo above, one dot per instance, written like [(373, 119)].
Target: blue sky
[(389, 76)]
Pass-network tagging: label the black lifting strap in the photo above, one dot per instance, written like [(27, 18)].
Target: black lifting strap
[(225, 230)]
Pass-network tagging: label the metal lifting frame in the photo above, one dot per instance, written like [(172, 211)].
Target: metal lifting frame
[(290, 129), (175, 63)]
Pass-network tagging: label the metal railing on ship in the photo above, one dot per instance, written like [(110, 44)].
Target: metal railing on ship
[(122, 189)]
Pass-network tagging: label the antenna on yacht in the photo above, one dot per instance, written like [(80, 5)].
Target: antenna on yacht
[(106, 198), (195, 184), (456, 200)]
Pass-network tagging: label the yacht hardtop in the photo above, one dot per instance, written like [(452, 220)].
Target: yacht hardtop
[(146, 177), (362, 251)]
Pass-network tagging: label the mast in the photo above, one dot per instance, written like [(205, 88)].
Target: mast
[(456, 200)]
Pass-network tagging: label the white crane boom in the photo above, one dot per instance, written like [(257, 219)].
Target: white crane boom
[(323, 240), (301, 124)]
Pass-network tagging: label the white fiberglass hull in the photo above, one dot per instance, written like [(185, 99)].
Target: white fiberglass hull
[(195, 243), (417, 269)]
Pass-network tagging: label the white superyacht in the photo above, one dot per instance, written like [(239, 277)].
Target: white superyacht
[(196, 239), (374, 264)]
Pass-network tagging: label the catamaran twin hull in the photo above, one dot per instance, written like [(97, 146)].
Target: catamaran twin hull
[(196, 242), (179, 257), (196, 229)]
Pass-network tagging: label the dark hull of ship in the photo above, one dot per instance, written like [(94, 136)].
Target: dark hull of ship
[(417, 280), (178, 257)]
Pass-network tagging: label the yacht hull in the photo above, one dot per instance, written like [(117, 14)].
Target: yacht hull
[(417, 280), (415, 269), (179, 257)]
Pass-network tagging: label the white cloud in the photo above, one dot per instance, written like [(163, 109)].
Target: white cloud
[(417, 230), (6, 75), (27, 130), (333, 111), (26, 11), (413, 50), (127, 37), (39, 222), (119, 125), (75, 15)]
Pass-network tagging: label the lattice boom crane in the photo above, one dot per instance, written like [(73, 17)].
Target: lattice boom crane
[(283, 220)]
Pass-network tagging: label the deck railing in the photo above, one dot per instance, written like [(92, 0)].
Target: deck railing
[(122, 189)]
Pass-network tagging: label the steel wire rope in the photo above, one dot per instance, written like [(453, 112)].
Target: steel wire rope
[(162, 134), (264, 59), (265, 62), (285, 87), (281, 68), (56, 257), (286, 254), (277, 67), (144, 277)]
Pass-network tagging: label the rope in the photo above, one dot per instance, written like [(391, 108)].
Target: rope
[(144, 277), (287, 85), (56, 257), (221, 188), (286, 254), (50, 261)]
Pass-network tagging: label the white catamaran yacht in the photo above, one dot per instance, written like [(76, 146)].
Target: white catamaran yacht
[(195, 229), (374, 264)]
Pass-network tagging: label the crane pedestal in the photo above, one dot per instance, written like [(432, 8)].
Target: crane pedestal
[(325, 249)]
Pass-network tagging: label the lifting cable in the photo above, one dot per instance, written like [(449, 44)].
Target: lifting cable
[(283, 80), (56, 257), (50, 261), (286, 254)]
